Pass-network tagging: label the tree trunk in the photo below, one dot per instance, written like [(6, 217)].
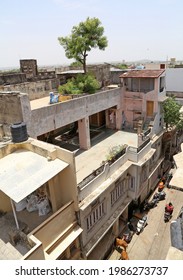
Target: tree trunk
[(84, 65)]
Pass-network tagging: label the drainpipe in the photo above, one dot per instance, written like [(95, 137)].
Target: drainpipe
[(14, 213)]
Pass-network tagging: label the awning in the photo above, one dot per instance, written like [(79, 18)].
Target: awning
[(178, 159), (23, 171), (177, 179)]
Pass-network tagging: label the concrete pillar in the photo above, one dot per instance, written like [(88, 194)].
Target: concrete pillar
[(107, 118), (1, 131), (125, 214), (84, 133), (26, 114), (118, 118), (76, 242), (68, 253), (115, 229), (52, 196)]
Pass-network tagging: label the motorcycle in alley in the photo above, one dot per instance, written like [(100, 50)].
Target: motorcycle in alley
[(161, 186), (159, 195), (167, 216), (150, 204), (127, 236), (142, 223), (168, 212)]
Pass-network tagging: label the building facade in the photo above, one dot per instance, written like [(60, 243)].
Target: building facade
[(107, 190)]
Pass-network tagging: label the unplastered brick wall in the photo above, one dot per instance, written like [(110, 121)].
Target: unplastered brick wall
[(37, 89), (10, 108)]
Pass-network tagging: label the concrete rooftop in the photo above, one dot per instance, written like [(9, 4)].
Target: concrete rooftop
[(88, 161)]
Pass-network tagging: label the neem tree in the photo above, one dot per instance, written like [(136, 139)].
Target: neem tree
[(83, 38)]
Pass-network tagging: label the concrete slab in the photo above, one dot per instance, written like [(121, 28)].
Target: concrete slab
[(97, 153), (41, 102)]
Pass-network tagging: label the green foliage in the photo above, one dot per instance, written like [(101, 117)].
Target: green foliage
[(115, 151), (83, 38), (122, 66), (172, 115), (76, 64), (81, 84)]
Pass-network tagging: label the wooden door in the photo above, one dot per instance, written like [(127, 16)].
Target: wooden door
[(150, 108)]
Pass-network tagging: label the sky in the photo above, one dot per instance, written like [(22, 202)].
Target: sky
[(135, 29)]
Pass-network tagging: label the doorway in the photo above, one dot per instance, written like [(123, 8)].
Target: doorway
[(150, 108)]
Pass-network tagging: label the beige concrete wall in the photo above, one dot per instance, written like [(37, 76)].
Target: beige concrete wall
[(5, 204), (62, 189), (14, 108), (68, 177), (51, 117), (54, 226), (10, 108), (37, 252)]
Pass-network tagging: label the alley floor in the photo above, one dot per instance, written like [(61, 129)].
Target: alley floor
[(154, 242)]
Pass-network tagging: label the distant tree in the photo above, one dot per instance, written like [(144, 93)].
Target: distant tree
[(84, 37), (172, 114), (122, 66)]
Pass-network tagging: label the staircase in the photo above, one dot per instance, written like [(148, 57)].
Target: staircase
[(147, 123)]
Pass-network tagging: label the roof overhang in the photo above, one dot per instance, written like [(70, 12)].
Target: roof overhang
[(177, 178), (23, 171)]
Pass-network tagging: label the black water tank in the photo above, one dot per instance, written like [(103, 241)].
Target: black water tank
[(19, 132)]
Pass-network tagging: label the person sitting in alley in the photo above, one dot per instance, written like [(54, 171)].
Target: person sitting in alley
[(169, 208)]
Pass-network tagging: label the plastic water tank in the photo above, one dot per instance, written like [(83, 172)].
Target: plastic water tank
[(19, 132)]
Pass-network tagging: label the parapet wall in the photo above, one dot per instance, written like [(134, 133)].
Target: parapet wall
[(35, 90)]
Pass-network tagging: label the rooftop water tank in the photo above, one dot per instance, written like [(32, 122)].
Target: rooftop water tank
[(19, 132)]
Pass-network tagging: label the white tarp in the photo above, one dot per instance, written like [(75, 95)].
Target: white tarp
[(23, 171)]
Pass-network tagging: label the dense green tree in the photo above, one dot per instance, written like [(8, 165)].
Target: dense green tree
[(81, 84), (172, 114), (76, 64), (84, 37)]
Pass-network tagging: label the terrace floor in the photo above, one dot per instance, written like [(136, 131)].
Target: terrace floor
[(88, 161)]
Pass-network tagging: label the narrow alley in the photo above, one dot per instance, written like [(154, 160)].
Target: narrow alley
[(154, 241)]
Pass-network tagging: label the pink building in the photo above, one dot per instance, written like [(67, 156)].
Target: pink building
[(143, 91)]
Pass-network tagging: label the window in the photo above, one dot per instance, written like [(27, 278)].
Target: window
[(119, 190), (96, 214), (144, 173), (131, 183)]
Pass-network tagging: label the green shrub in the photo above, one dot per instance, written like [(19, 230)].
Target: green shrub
[(81, 84)]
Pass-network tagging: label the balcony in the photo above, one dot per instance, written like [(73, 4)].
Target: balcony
[(129, 94), (63, 231)]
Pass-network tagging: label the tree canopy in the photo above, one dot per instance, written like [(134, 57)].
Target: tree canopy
[(81, 84), (84, 37), (172, 114)]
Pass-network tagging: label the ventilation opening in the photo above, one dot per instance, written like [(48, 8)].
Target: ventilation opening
[(19, 132)]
